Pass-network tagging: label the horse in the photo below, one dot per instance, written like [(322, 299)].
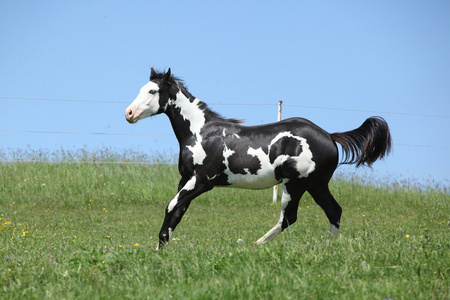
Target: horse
[(215, 151)]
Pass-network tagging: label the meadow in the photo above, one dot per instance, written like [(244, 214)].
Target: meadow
[(88, 230)]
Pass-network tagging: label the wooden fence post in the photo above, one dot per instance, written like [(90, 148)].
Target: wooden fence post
[(275, 188)]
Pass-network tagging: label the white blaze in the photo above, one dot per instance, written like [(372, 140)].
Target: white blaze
[(146, 104)]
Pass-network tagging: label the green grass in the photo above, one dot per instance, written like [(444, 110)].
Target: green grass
[(89, 231)]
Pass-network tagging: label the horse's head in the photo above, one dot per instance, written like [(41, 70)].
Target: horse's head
[(153, 97)]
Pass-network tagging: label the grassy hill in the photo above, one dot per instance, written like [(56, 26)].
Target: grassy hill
[(89, 231)]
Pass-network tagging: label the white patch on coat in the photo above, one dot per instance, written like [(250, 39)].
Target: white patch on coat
[(276, 230), (191, 112), (226, 154), (198, 153), (304, 163), (211, 178), (265, 175), (172, 204), (190, 185), (224, 134), (187, 187), (272, 233)]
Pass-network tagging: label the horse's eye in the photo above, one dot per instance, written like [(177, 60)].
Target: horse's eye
[(152, 92)]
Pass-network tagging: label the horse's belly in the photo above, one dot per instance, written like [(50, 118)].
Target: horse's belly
[(262, 180)]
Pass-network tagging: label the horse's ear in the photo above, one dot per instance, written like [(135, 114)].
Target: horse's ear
[(152, 73), (166, 76)]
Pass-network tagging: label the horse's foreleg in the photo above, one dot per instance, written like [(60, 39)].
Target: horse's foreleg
[(289, 205), (178, 206)]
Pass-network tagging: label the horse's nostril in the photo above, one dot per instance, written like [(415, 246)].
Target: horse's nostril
[(130, 112)]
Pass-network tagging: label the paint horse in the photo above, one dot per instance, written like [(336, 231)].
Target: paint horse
[(220, 152)]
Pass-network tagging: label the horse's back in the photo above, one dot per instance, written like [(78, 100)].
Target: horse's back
[(317, 138)]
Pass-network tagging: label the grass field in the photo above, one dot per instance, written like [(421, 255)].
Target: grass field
[(89, 231)]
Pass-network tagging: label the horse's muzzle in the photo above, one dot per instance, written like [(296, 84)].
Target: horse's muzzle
[(130, 115)]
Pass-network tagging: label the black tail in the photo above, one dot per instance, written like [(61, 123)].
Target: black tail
[(364, 145)]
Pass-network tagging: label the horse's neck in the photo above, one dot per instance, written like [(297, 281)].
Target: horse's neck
[(187, 117)]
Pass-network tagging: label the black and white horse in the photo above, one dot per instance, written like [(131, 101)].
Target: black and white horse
[(220, 152)]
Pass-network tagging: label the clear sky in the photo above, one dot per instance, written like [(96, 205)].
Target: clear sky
[(387, 58)]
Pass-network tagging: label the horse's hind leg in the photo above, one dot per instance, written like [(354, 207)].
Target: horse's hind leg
[(289, 205), (326, 201)]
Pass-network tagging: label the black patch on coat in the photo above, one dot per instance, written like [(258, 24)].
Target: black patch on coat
[(285, 146), (222, 180), (241, 163), (288, 169)]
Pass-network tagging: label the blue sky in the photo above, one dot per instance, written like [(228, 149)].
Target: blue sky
[(387, 58)]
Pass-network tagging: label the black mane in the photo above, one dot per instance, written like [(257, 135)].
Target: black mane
[(179, 84)]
